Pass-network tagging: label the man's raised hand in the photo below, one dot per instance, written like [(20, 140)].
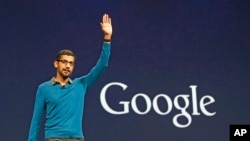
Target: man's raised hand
[(106, 26)]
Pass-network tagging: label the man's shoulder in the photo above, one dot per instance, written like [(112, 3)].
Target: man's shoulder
[(80, 79), (45, 84)]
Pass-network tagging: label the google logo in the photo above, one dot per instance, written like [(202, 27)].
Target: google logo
[(131, 105)]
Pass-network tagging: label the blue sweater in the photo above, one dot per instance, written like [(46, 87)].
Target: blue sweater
[(64, 106)]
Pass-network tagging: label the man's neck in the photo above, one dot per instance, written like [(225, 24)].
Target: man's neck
[(61, 80)]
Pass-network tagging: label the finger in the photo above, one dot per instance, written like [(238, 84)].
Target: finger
[(106, 18), (103, 18), (110, 20)]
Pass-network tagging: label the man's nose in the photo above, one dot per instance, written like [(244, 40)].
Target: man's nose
[(68, 64)]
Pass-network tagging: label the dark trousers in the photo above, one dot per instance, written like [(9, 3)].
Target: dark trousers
[(63, 139)]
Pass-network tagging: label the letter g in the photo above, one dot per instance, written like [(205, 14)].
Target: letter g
[(105, 104)]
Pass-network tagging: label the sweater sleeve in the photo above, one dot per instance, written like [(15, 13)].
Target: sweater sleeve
[(100, 66), (37, 116)]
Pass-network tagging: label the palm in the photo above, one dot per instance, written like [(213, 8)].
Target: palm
[(106, 25)]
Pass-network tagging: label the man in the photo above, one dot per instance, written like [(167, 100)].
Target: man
[(63, 98)]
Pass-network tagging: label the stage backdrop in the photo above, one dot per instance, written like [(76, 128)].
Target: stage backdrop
[(179, 70)]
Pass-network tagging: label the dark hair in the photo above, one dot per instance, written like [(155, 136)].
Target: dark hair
[(64, 52)]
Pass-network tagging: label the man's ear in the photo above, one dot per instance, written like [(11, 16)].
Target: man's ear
[(56, 64)]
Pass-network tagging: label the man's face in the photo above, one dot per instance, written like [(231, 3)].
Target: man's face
[(65, 66)]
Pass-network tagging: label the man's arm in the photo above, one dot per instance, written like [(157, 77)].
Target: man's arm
[(37, 116), (102, 62)]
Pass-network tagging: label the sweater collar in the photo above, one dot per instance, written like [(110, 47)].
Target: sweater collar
[(53, 81)]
